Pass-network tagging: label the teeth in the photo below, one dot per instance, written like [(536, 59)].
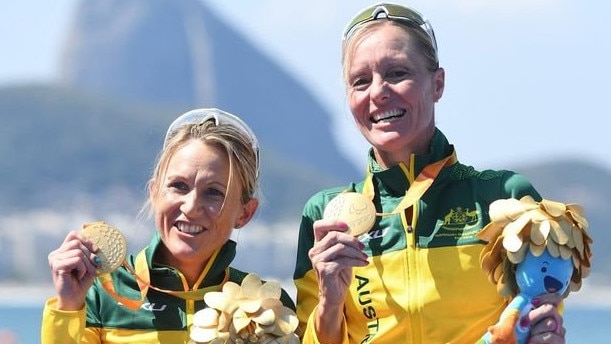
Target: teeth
[(191, 229), (388, 115)]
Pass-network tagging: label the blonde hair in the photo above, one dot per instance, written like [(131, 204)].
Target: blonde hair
[(519, 226), (243, 159), (421, 40)]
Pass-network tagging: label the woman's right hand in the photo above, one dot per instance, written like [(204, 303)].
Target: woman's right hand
[(73, 266), (333, 256)]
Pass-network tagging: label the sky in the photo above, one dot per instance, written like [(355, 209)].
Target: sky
[(526, 80)]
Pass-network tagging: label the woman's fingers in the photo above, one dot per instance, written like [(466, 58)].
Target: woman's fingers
[(547, 323), (333, 256), (339, 248), (333, 249), (76, 257), (324, 226), (547, 338)]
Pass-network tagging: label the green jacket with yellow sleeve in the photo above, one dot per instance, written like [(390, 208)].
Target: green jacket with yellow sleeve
[(161, 318), (423, 283)]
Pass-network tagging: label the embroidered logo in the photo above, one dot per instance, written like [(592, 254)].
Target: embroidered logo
[(152, 307), (149, 306), (374, 234), (460, 218)]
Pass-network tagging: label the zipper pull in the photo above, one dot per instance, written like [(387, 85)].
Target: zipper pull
[(409, 217)]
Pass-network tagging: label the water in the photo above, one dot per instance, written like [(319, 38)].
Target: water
[(584, 325), (20, 323)]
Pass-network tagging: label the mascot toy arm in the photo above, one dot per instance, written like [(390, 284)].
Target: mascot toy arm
[(532, 248)]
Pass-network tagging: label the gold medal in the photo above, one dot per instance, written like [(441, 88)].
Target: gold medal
[(112, 246), (354, 209)]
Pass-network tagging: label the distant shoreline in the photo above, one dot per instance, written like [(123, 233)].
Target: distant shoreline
[(14, 294), (590, 296), (19, 295)]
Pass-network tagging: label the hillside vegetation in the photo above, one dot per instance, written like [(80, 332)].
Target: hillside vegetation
[(65, 154), (57, 144)]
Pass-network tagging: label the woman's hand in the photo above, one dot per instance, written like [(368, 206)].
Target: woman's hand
[(547, 326), (333, 255), (73, 267)]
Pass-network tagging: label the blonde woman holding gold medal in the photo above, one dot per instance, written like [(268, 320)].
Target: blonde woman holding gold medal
[(203, 186), (405, 268)]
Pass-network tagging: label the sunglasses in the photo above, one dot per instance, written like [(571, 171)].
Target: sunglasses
[(220, 117), (391, 12)]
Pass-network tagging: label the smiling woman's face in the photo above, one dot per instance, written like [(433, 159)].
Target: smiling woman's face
[(391, 93), (188, 205)]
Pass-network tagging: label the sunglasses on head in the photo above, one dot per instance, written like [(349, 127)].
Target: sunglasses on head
[(391, 12), (220, 117)]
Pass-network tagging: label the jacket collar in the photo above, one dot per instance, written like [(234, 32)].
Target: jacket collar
[(216, 273), (398, 178)]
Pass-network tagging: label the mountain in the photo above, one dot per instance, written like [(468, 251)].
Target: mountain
[(82, 149), (180, 53), (583, 182), (68, 157), (59, 146)]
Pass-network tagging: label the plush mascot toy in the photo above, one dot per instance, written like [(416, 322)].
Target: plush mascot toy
[(532, 248)]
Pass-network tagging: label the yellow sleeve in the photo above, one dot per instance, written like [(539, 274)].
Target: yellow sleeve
[(65, 327), (310, 336), (307, 303)]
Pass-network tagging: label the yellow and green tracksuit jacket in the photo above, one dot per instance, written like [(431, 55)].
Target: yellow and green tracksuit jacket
[(424, 283), (162, 318)]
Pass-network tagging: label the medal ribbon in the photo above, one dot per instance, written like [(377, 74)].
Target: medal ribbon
[(141, 273), (422, 183)]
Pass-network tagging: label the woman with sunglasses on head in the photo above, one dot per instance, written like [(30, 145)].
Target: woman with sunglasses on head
[(203, 186), (414, 277)]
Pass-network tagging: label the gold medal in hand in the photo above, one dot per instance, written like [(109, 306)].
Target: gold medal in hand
[(112, 246), (353, 208)]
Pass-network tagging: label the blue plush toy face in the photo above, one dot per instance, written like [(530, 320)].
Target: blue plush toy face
[(543, 274)]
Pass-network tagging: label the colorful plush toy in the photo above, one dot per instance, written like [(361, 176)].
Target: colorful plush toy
[(532, 248)]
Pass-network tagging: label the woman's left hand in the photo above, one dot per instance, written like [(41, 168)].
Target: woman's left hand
[(547, 324)]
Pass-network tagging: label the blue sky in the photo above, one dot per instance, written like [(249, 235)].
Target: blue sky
[(526, 80)]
